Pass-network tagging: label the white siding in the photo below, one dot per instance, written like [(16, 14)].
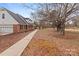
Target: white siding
[(6, 24), (8, 18), (6, 29)]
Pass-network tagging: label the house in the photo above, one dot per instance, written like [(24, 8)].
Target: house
[(12, 23), (76, 20), (73, 21)]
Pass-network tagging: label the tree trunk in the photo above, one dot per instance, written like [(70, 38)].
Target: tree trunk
[(63, 28), (58, 29)]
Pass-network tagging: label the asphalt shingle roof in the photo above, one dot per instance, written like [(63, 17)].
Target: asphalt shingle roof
[(20, 19)]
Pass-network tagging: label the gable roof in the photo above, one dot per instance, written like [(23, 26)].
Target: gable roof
[(20, 19)]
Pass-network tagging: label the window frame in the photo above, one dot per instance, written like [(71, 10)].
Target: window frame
[(3, 16)]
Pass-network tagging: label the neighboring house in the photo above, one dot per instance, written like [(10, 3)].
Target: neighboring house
[(12, 23), (76, 18), (74, 21)]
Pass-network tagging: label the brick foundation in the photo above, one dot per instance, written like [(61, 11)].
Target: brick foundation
[(16, 28)]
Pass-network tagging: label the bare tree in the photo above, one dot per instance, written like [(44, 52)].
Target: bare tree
[(57, 13), (64, 11)]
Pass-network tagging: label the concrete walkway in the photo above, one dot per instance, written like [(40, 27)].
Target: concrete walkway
[(18, 48)]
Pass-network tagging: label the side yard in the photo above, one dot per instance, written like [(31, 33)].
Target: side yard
[(42, 44), (8, 40), (48, 42)]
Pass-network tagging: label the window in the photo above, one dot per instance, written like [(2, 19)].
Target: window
[(3, 16), (26, 26), (21, 26)]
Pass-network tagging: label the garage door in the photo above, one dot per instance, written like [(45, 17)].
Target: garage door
[(6, 28)]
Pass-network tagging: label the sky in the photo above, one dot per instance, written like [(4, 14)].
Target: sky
[(19, 8)]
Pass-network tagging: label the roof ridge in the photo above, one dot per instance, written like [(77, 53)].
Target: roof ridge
[(15, 16), (21, 18)]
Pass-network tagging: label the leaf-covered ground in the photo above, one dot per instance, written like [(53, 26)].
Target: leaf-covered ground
[(48, 42)]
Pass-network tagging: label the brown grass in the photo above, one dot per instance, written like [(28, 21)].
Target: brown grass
[(8, 40), (41, 45), (48, 42)]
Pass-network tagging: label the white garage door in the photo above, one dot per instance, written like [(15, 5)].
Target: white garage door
[(6, 28)]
